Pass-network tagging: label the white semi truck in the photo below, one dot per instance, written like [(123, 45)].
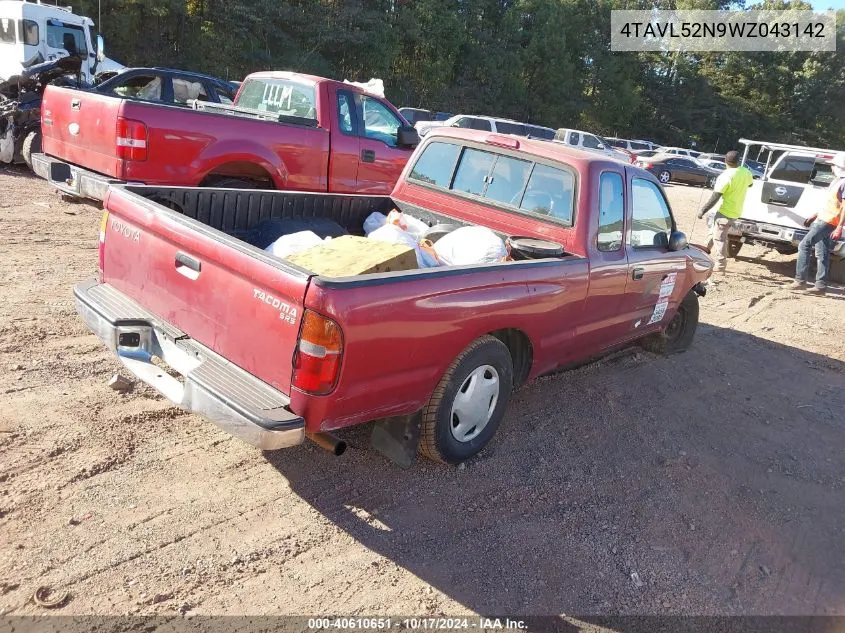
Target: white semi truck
[(793, 188)]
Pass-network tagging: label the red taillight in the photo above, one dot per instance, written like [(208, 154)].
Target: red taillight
[(101, 249), (131, 139), (316, 364)]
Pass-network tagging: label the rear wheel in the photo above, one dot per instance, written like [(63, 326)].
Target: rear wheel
[(678, 334), (31, 145), (469, 403), (664, 177)]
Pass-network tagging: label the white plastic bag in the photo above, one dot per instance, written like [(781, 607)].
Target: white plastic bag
[(470, 245), (293, 243), (374, 221), (393, 234), (407, 223), (373, 86)]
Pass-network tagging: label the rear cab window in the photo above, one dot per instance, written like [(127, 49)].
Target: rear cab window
[(284, 97), (510, 182), (611, 211)]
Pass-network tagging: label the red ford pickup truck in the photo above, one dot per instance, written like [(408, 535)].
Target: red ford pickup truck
[(274, 353), (284, 131)]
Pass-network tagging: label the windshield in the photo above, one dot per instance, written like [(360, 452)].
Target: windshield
[(280, 96)]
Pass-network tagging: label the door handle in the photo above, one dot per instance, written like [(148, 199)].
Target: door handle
[(75, 104), (368, 155), (188, 266), (637, 273)]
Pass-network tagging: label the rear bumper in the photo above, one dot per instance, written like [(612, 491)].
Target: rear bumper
[(71, 179), (211, 386), (779, 235)]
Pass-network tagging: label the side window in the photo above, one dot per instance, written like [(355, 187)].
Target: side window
[(480, 124), (225, 97), (69, 38), (635, 146), (7, 31), (506, 127), (822, 175), (185, 90), (380, 123), (472, 171), (611, 211), (345, 112), (550, 192), (591, 141), (147, 87), (650, 214), (29, 32), (465, 122), (508, 180), (436, 164), (794, 169), (574, 138), (684, 162)]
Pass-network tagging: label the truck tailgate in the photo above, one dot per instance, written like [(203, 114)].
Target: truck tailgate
[(81, 127), (228, 296)]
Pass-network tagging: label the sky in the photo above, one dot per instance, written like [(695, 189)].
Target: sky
[(824, 5)]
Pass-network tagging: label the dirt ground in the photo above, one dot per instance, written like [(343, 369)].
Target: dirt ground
[(715, 477)]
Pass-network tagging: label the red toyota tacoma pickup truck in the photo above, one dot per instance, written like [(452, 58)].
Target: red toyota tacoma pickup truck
[(274, 353), (284, 131)]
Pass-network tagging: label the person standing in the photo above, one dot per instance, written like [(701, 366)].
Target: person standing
[(731, 187), (825, 227)]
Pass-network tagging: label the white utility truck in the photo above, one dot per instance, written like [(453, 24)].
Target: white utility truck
[(35, 32), (793, 188)]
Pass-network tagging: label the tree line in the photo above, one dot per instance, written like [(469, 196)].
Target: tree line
[(540, 61)]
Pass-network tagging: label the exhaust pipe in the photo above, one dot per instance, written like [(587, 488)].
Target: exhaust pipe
[(329, 442)]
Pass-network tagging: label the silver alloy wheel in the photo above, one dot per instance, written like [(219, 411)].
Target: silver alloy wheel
[(474, 403), (664, 177)]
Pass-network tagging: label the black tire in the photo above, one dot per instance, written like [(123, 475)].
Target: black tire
[(708, 184), (664, 176), (678, 334), (31, 145), (437, 440), (734, 246)]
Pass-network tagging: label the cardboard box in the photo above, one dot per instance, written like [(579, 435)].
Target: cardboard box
[(350, 255)]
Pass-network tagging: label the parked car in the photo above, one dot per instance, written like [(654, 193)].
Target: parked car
[(274, 353), (488, 124), (631, 146), (708, 156), (776, 206), (591, 143), (165, 85), (680, 151), (645, 153), (718, 165), (274, 137), (414, 115), (669, 168)]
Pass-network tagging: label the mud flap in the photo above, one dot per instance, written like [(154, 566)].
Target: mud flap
[(398, 438)]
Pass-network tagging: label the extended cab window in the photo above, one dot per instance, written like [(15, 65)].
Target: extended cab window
[(574, 138), (436, 164), (279, 96), (550, 192), (185, 90), (345, 112), (380, 123), (650, 214), (611, 211)]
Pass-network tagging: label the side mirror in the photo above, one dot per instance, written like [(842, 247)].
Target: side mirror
[(408, 137), (601, 146), (677, 241), (101, 55)]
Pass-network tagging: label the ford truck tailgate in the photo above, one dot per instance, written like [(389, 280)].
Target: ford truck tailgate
[(81, 128), (232, 298)]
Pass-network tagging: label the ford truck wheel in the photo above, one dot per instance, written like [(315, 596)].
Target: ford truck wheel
[(468, 403), (679, 332), (664, 177)]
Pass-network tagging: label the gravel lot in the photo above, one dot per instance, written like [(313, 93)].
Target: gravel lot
[(716, 476)]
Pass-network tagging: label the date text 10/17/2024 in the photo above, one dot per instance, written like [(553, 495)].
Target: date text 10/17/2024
[(422, 623)]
